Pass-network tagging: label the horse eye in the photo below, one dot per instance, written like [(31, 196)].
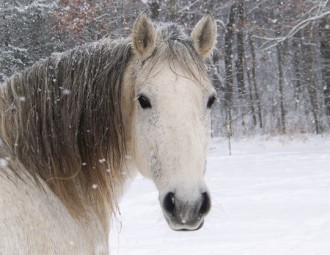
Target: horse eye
[(211, 101), (144, 102)]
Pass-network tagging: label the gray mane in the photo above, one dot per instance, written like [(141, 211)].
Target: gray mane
[(61, 119)]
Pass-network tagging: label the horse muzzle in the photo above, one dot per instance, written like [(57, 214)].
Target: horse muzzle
[(182, 214)]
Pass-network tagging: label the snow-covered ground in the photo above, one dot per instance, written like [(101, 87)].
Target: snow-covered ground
[(272, 196)]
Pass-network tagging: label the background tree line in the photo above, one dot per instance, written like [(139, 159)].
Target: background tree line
[(271, 67)]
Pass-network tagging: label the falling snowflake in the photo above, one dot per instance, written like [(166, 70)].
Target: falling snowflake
[(66, 92), (3, 162)]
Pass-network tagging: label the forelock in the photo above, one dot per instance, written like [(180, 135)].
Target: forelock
[(175, 46)]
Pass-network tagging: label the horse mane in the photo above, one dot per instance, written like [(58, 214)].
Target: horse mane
[(61, 119)]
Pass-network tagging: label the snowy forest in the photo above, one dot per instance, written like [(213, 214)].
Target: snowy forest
[(271, 66)]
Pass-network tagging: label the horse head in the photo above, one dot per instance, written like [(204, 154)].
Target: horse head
[(171, 100)]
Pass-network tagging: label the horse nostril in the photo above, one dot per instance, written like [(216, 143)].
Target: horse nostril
[(169, 204), (206, 204)]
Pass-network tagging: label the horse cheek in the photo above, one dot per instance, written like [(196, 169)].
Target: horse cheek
[(144, 146)]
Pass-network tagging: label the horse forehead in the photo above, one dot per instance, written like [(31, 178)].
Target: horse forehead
[(173, 81)]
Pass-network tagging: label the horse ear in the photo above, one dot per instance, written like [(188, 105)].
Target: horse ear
[(144, 36), (204, 35)]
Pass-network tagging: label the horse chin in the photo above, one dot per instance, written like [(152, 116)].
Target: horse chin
[(174, 225)]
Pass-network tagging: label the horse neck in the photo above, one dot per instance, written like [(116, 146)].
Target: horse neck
[(87, 231)]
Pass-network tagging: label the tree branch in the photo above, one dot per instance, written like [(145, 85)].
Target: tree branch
[(301, 25)]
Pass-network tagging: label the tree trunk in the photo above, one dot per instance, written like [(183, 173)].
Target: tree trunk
[(280, 86), (254, 81), (325, 61), (172, 10), (154, 9), (240, 48), (254, 118), (229, 62), (297, 67), (6, 32), (311, 84)]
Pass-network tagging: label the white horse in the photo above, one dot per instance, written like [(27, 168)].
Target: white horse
[(76, 126)]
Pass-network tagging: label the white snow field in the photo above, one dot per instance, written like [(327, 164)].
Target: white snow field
[(272, 196)]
